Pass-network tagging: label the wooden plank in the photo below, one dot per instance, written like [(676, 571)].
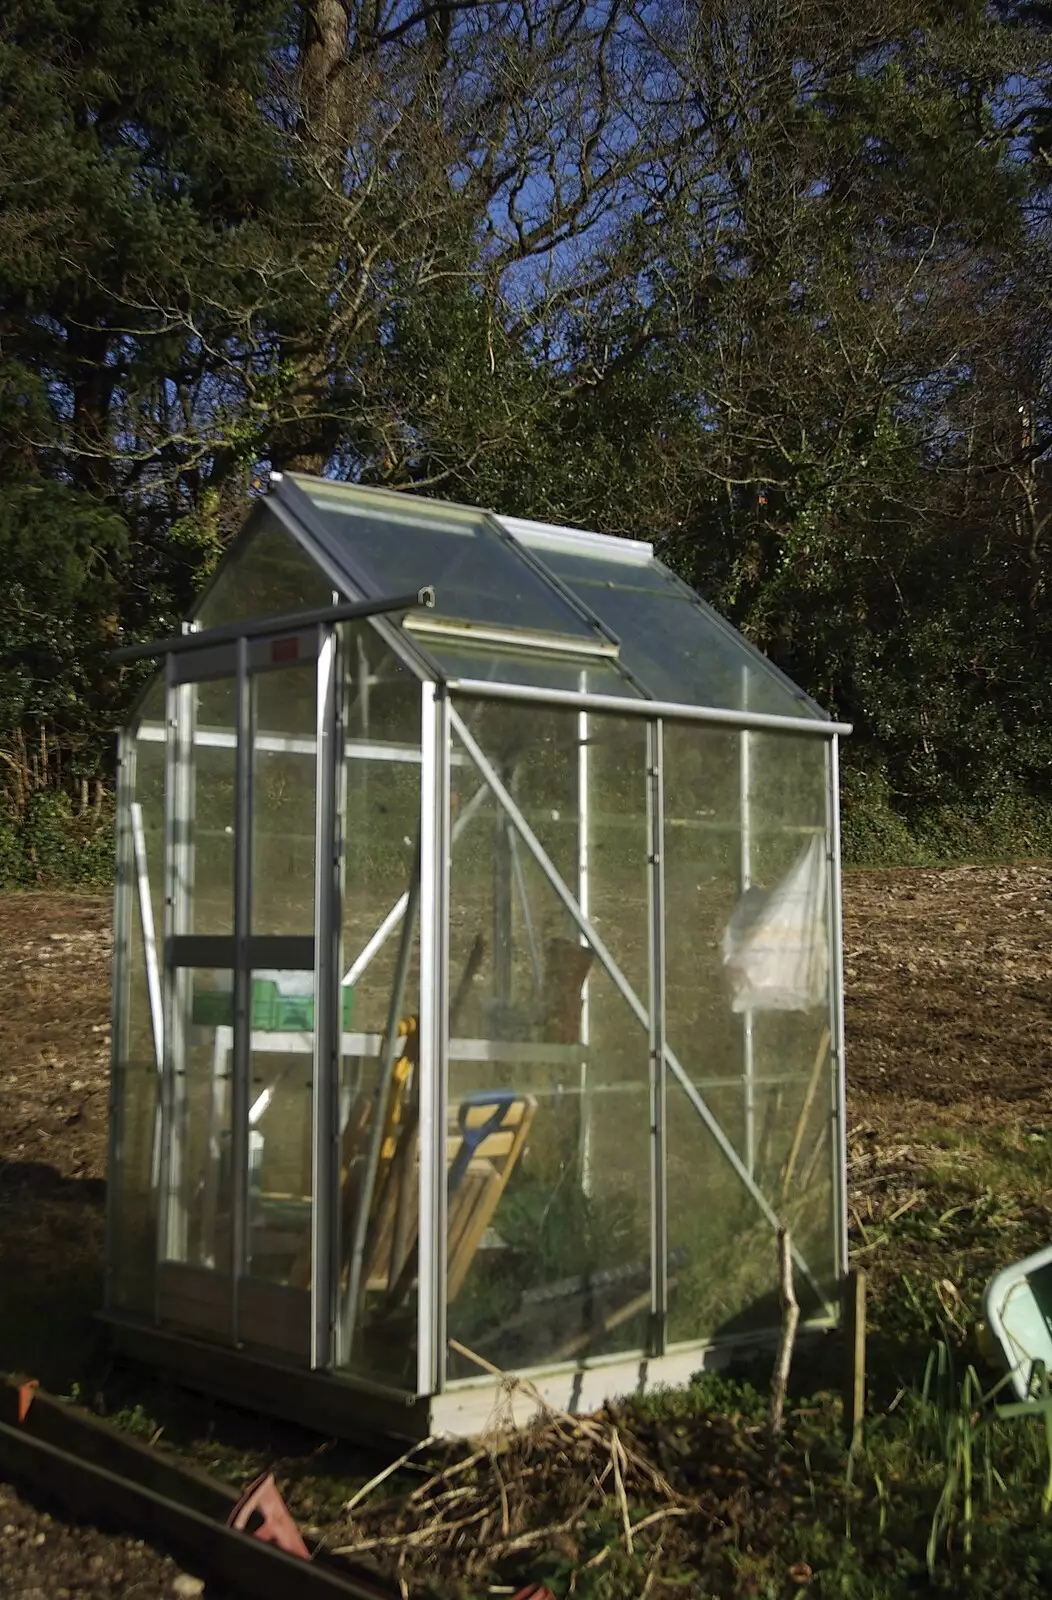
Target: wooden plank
[(463, 1202), (485, 1204), (240, 1563), (459, 1213), (495, 1146), (471, 1206), (477, 1115), (406, 1202)]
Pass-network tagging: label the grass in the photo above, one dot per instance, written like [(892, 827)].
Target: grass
[(949, 1495), (951, 1491)]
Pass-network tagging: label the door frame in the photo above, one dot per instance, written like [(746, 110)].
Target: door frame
[(212, 1300)]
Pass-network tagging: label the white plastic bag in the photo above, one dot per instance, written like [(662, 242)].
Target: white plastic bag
[(775, 949)]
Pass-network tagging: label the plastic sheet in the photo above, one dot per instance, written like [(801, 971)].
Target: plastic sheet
[(775, 949)]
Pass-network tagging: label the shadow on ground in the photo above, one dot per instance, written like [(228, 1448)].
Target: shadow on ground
[(52, 1233)]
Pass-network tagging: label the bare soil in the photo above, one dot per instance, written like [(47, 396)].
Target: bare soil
[(44, 1558), (949, 1015), (949, 988), (949, 1058)]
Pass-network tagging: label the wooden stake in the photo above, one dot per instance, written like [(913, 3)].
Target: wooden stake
[(790, 1318), (805, 1112), (855, 1337)]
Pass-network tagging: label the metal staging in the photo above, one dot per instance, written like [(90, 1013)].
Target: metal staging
[(203, 1284)]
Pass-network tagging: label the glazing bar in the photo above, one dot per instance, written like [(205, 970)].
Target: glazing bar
[(584, 827), (119, 1007), (239, 1137), (658, 1079), (180, 705), (745, 818), (836, 1022), (288, 744), (668, 710), (325, 1099), (536, 849), (262, 627), (434, 1037)]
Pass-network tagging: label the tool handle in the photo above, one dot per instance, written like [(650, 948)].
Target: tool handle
[(502, 1101)]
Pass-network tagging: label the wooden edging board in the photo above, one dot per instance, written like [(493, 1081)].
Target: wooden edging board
[(95, 1472)]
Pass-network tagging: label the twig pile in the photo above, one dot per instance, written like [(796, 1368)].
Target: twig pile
[(531, 1489)]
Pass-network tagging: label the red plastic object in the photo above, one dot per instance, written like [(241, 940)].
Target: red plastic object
[(534, 1591), (277, 1527), (25, 1397)]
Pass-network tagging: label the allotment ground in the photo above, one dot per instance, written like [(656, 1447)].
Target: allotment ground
[(949, 985)]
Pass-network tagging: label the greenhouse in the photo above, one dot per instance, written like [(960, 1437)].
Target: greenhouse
[(477, 993)]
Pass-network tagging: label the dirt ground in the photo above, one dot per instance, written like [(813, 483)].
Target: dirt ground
[(948, 980), (949, 1014)]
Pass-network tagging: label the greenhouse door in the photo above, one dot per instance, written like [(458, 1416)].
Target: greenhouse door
[(250, 735)]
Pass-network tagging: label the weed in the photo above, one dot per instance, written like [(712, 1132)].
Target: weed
[(135, 1419), (707, 1394)]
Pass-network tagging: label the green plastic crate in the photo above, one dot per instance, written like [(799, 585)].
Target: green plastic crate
[(265, 1003), (272, 1012), (293, 1013), (214, 1008)]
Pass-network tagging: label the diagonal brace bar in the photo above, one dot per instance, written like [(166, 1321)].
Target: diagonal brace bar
[(542, 859)]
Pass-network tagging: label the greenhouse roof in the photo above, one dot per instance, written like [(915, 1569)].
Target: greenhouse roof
[(530, 604)]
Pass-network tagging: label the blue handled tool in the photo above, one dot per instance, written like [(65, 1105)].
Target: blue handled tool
[(502, 1101)]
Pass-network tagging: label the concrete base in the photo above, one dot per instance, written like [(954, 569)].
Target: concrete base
[(346, 1408)]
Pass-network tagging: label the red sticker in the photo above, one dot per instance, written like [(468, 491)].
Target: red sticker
[(285, 649)]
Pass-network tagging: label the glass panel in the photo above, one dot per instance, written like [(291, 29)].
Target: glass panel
[(548, 1143), (280, 1161), (282, 1060), (381, 781), (678, 648), (791, 1040), (132, 1182), (212, 709), (402, 542), (199, 1230), (764, 1073), (283, 785), (267, 575), (134, 1256), (536, 670), (616, 894)]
